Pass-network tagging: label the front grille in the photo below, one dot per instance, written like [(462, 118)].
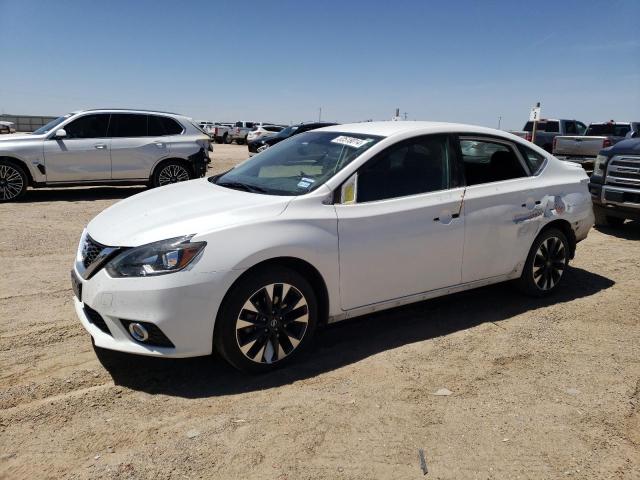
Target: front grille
[(96, 319), (624, 171), (94, 256), (156, 337), (90, 251)]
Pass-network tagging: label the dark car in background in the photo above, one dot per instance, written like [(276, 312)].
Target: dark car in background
[(260, 144), (615, 183), (547, 129)]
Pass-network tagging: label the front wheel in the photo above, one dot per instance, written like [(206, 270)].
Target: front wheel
[(170, 172), (13, 182), (546, 264), (267, 319), (604, 220)]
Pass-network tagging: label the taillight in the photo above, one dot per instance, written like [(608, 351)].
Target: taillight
[(215, 131), (528, 136), (553, 147), (606, 143)]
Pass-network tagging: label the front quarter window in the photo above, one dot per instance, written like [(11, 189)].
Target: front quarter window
[(298, 165)]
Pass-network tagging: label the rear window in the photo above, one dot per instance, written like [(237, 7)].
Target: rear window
[(272, 129), (533, 159), (543, 126), (606, 129)]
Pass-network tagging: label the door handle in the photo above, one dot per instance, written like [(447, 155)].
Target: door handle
[(447, 219), (100, 146)]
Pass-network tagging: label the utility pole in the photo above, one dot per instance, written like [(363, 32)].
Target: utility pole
[(320, 114), (405, 115), (499, 121)]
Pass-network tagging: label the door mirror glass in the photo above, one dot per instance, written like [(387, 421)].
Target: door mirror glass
[(60, 133), (349, 190)]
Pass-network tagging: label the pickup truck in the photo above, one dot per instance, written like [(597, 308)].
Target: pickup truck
[(241, 130), (615, 183), (583, 149), (222, 132), (549, 128)]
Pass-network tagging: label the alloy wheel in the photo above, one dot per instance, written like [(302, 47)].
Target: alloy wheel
[(172, 174), (11, 182), (272, 323), (549, 263)]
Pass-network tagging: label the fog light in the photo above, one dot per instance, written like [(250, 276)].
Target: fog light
[(138, 332)]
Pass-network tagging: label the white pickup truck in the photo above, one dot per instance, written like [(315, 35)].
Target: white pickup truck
[(240, 131), (583, 149)]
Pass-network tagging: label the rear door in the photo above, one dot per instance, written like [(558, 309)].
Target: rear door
[(83, 154), (502, 207), (138, 141)]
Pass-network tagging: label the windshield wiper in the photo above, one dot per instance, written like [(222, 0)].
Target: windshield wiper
[(242, 186)]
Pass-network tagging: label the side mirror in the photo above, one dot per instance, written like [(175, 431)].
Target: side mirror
[(60, 133), (349, 190)]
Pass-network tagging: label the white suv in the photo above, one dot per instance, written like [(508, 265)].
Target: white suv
[(104, 147)]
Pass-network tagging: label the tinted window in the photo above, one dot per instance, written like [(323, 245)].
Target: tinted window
[(553, 127), (249, 125), (415, 166), (128, 125), (581, 128), (543, 126), (89, 126), (570, 128), (272, 129), (486, 161), (533, 159), (605, 129), (156, 127)]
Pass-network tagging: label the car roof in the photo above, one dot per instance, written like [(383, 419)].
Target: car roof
[(130, 110), (390, 128)]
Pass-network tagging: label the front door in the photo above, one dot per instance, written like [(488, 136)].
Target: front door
[(83, 154), (403, 235)]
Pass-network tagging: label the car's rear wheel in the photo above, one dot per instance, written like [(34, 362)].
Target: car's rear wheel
[(13, 181), (546, 263), (171, 172), (267, 319)]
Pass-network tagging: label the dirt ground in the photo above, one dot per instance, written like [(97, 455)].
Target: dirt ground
[(539, 389)]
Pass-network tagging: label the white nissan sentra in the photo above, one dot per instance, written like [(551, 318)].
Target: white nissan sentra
[(327, 225)]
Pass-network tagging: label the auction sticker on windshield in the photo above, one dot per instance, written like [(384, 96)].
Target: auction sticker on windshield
[(351, 141)]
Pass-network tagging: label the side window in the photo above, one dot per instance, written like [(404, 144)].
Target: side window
[(411, 167), (249, 124), (553, 127), (581, 128), (570, 128), (156, 127), (171, 127), (89, 126), (533, 159), (485, 161), (128, 125)]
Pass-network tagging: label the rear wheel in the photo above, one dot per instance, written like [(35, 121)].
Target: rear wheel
[(171, 172), (13, 181), (267, 319), (546, 263)]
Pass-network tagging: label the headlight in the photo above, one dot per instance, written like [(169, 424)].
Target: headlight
[(599, 165), (158, 258)]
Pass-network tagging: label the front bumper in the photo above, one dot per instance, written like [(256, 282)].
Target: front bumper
[(183, 305), (618, 201)]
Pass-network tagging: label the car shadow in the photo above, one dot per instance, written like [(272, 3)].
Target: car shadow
[(628, 231), (346, 342), (79, 194)]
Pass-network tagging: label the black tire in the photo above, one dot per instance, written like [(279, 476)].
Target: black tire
[(225, 139), (218, 140), (604, 220), (240, 141), (546, 264), (271, 337), (13, 181), (171, 171)]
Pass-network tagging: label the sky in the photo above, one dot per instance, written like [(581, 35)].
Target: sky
[(478, 62)]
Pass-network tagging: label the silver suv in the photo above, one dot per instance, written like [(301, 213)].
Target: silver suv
[(104, 147)]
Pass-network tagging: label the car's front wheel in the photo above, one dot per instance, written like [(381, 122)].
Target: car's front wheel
[(268, 318), (13, 181), (546, 263), (170, 172)]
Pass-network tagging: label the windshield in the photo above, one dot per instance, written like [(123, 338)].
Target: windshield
[(604, 129), (297, 165), (51, 125)]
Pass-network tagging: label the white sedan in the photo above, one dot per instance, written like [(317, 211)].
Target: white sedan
[(327, 225)]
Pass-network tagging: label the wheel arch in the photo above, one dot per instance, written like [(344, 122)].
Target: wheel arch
[(22, 164), (164, 161), (565, 227), (302, 267)]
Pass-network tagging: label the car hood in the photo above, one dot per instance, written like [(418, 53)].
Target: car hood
[(184, 208)]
